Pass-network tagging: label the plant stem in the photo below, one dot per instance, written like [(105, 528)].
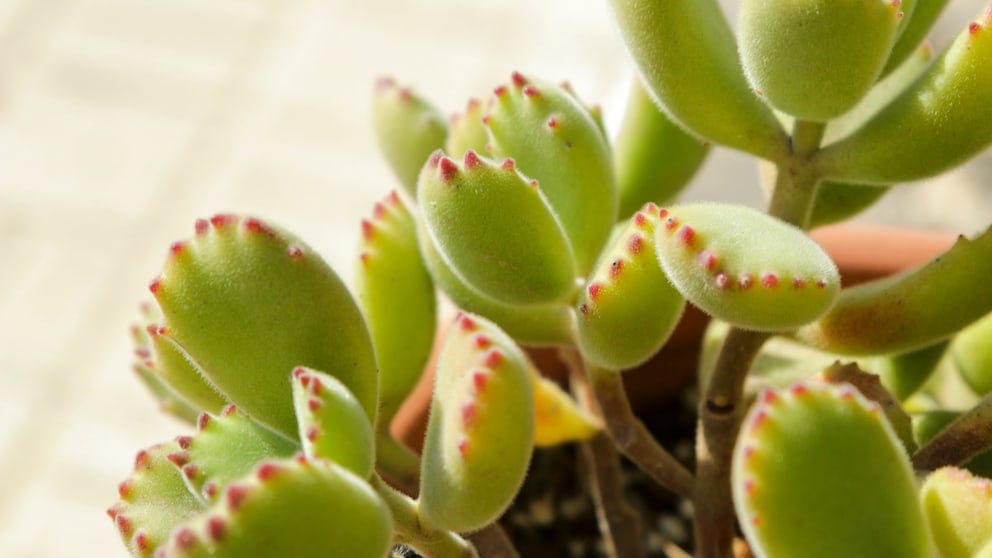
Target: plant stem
[(720, 413), (619, 524), (796, 181), (961, 440), (411, 531), (629, 434), (806, 137), (722, 408), (398, 463)]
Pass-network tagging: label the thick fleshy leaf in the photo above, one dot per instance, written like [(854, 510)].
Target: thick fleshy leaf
[(911, 310), (466, 131), (555, 140), (629, 308), (397, 297), (301, 508), (248, 302), (914, 32), (745, 267), (815, 59), (939, 122), (495, 229), (818, 471), (333, 425), (972, 352), (903, 374), (226, 447), (153, 500), (408, 130), (480, 434), (959, 509), (531, 324), (880, 95), (176, 370), (687, 55), (870, 386), (172, 377)]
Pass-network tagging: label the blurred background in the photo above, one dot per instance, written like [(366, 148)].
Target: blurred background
[(122, 121)]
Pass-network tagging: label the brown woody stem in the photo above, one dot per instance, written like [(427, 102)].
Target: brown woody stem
[(720, 413), (629, 434), (961, 440), (619, 524), (722, 407)]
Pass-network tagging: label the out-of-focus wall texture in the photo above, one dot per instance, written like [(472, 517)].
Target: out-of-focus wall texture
[(121, 121)]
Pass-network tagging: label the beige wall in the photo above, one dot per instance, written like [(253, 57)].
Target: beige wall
[(121, 121)]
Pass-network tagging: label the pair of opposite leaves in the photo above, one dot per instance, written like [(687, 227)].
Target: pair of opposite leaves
[(688, 58)]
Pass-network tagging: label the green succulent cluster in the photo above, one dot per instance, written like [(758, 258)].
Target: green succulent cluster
[(291, 383), (543, 231)]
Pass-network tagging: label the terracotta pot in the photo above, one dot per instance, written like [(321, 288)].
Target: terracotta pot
[(866, 252), (862, 252)]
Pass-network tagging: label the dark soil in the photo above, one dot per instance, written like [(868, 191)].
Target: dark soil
[(553, 515)]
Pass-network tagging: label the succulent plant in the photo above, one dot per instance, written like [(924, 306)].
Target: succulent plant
[(833, 420)]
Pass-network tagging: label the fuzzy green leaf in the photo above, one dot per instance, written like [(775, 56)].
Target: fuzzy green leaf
[(153, 500), (629, 308), (226, 447), (687, 56), (248, 303), (959, 509), (480, 434), (546, 324), (815, 59), (939, 122), (870, 386), (911, 310), (554, 139), (818, 471), (972, 352), (466, 131), (408, 130), (175, 369), (495, 229), (397, 297), (332, 423), (745, 267), (915, 29), (301, 508)]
